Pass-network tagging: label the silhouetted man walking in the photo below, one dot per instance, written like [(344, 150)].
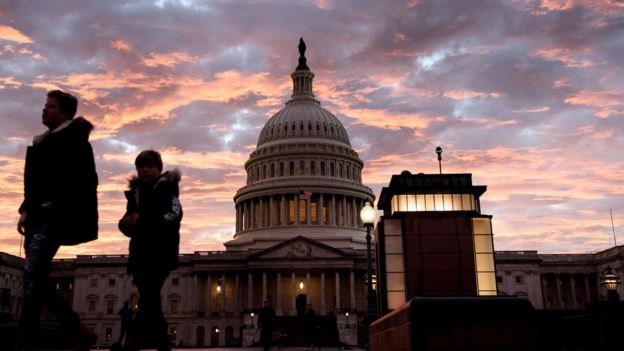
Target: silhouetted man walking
[(59, 208)]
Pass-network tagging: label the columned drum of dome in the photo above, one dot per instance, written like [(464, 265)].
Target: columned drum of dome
[(303, 178)]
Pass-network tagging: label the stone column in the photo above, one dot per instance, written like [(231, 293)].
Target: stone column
[(308, 290), (296, 197), (573, 290), (293, 292), (264, 286), (545, 291), (332, 210), (209, 295), (250, 291), (352, 290), (284, 207), (558, 285), (236, 225), (309, 211), (355, 212), (345, 217), (337, 292), (271, 212), (236, 293), (319, 209), (223, 296), (252, 204), (323, 302), (261, 213), (278, 303), (245, 215), (193, 306), (587, 293)]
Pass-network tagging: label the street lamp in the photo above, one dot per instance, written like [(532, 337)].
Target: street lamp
[(347, 315), (611, 280), (367, 214), (253, 338)]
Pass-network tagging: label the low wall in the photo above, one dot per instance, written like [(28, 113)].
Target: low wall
[(471, 323)]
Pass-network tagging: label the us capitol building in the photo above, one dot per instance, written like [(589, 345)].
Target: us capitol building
[(298, 240)]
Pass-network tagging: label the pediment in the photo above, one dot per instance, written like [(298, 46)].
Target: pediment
[(300, 248)]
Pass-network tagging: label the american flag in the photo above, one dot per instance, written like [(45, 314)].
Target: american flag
[(304, 195)]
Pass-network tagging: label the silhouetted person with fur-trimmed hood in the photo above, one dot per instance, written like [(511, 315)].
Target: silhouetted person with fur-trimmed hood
[(152, 221), (59, 208)]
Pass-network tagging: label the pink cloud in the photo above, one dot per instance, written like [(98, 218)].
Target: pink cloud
[(14, 35)]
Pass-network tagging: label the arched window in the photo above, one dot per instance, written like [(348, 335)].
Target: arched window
[(312, 168), (322, 168), (301, 167), (292, 168), (272, 170), (281, 169), (340, 171), (331, 169)]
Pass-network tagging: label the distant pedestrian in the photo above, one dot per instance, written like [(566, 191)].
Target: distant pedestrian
[(59, 208), (126, 314), (266, 321), (152, 221), (310, 328)]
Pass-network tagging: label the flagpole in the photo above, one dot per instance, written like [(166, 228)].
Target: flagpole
[(613, 227)]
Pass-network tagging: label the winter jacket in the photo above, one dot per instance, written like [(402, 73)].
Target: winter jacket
[(155, 237), (60, 169)]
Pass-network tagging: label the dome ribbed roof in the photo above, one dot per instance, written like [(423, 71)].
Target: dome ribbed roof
[(303, 118)]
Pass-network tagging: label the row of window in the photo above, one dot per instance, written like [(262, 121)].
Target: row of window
[(433, 202), (312, 128), (111, 303), (519, 279), (112, 281), (259, 215), (274, 169)]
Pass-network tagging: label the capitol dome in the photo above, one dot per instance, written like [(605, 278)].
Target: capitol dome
[(303, 178)]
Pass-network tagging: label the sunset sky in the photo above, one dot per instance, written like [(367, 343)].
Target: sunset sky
[(528, 96)]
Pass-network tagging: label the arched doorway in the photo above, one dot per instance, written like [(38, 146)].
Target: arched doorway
[(214, 336), (199, 336), (300, 303)]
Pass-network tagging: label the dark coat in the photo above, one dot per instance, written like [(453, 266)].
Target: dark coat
[(155, 238), (60, 169)]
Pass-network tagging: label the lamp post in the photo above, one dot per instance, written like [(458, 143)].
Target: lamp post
[(611, 280), (347, 315), (367, 214), (253, 339)]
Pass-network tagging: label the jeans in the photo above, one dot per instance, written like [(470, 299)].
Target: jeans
[(149, 317), (39, 292)]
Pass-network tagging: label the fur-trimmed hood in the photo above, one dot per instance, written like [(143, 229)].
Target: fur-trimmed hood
[(172, 177), (78, 127)]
